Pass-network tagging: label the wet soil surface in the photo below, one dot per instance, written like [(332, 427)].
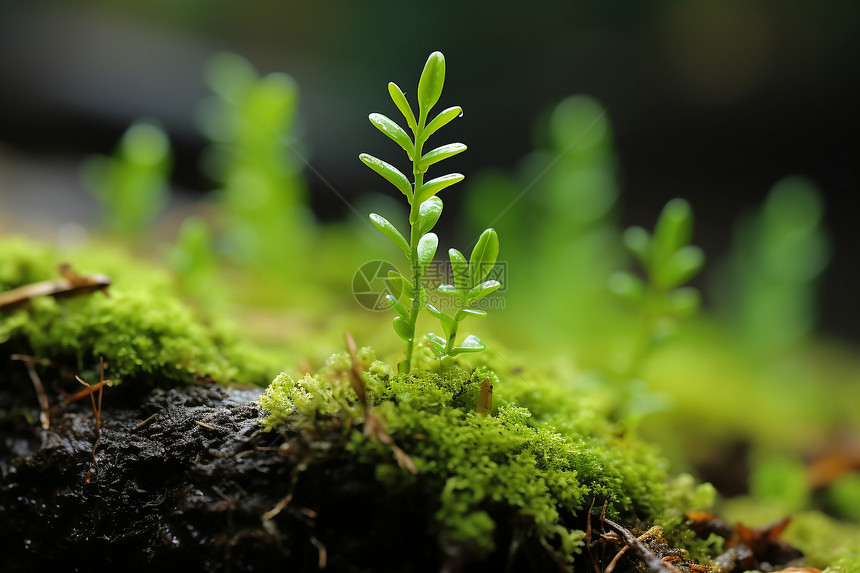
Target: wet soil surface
[(182, 483)]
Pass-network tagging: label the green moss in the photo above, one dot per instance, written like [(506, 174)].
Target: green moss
[(142, 329), (488, 471)]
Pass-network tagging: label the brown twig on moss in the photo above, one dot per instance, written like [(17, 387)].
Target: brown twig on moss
[(72, 284), (373, 425)]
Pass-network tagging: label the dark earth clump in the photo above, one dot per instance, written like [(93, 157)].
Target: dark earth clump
[(183, 482)]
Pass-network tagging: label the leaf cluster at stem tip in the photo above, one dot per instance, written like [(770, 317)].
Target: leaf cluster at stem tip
[(669, 261), (425, 209)]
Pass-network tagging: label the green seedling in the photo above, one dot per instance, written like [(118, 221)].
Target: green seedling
[(668, 261), (468, 288), (779, 254), (255, 158), (424, 211), (132, 184)]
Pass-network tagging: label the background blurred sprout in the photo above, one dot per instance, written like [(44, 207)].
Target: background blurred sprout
[(559, 221), (131, 186), (196, 263), (424, 213), (668, 261), (254, 156), (768, 290)]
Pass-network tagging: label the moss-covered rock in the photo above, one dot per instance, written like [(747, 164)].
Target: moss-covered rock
[(142, 328), (500, 477)]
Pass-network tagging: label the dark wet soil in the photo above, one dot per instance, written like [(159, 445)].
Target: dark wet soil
[(182, 483)]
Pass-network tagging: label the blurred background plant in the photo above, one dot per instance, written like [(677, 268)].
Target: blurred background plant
[(132, 185)]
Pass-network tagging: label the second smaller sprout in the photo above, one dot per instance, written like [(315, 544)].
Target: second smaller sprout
[(468, 288)]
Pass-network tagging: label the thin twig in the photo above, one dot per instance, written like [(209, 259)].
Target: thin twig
[(651, 561), (44, 404)]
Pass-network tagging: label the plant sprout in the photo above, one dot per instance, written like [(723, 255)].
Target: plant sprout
[(424, 211), (669, 261), (132, 184), (469, 286)]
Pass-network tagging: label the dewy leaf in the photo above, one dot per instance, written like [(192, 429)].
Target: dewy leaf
[(449, 289), (398, 306), (427, 250), (428, 214), (673, 231), (437, 344), (460, 268), (400, 101), (435, 185), (444, 118), (400, 287), (448, 323), (389, 173), (471, 344), (439, 154), (391, 232), (483, 257), (393, 131), (483, 290), (403, 329), (473, 312), (431, 82)]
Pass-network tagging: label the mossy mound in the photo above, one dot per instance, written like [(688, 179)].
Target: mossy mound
[(504, 478), (144, 331)]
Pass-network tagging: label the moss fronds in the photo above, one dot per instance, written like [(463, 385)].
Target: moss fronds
[(142, 329), (506, 470)]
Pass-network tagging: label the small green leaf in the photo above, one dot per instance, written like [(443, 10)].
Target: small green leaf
[(460, 268), (483, 290), (472, 312), (638, 241), (680, 267), (436, 344), (483, 257), (398, 306), (393, 131), (439, 154), (428, 214), (400, 101), (449, 289), (400, 287), (448, 323), (427, 250), (627, 287), (389, 173), (391, 232), (431, 82), (471, 344), (673, 231), (444, 118), (433, 186), (403, 329)]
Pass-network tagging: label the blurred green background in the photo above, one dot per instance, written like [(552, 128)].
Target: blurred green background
[(713, 101)]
